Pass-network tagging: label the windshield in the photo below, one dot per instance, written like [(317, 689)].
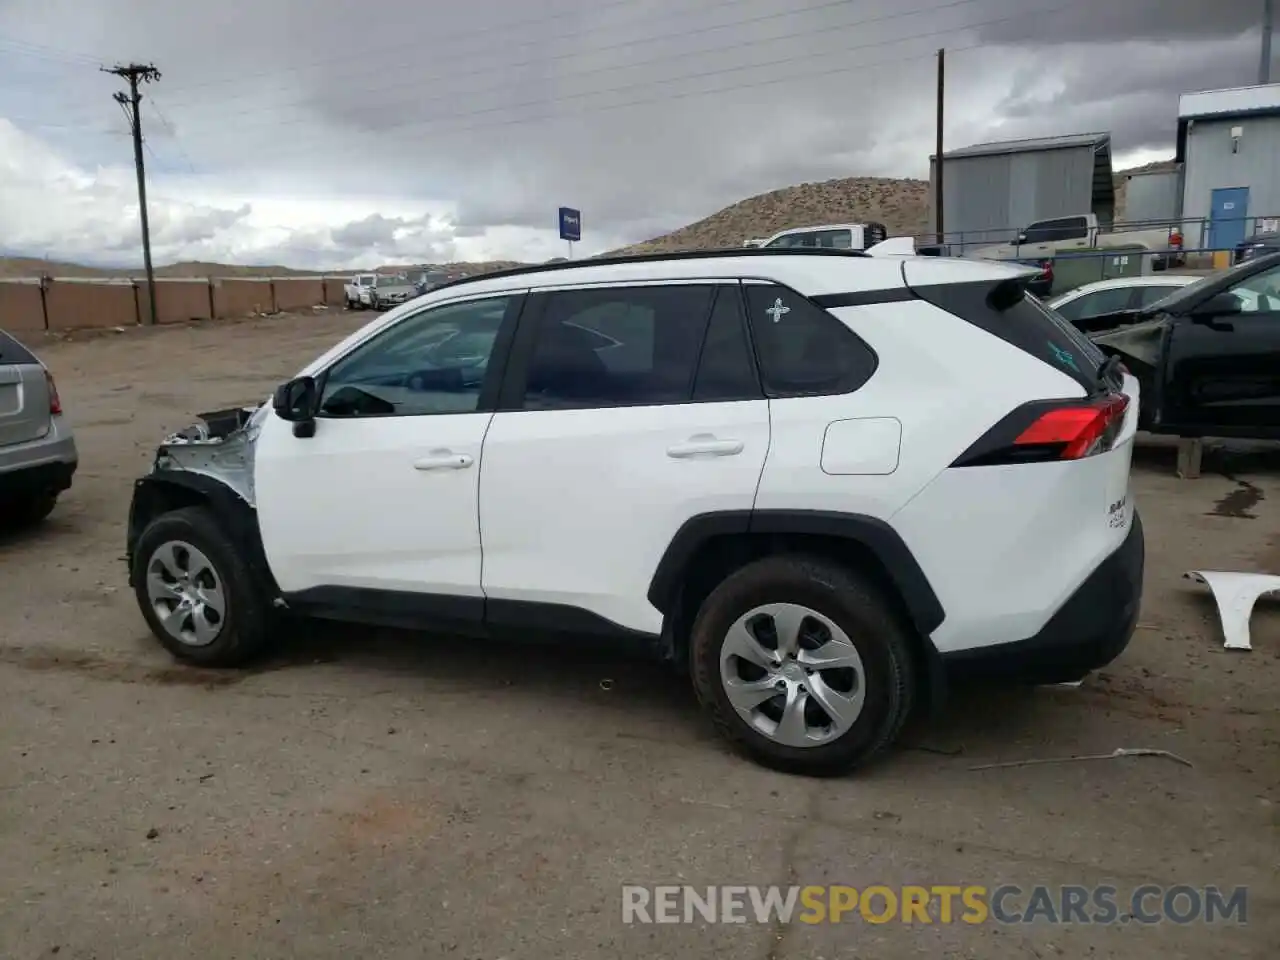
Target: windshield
[(367, 280)]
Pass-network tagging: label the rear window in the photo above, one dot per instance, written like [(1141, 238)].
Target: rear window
[(11, 351), (1007, 311)]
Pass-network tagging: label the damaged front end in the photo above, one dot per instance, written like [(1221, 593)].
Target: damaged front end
[(220, 446)]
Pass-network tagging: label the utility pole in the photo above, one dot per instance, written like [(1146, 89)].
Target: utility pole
[(1268, 20), (136, 73), (937, 163)]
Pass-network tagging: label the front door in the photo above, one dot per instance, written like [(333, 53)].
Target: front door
[(1222, 374), (638, 407), (383, 499), (1228, 208)]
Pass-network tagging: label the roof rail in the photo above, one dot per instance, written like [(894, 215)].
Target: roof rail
[(654, 258)]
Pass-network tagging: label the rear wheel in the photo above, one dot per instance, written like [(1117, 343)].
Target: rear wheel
[(28, 510), (196, 592), (803, 665)]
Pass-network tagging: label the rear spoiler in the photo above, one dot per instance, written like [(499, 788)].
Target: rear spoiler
[(893, 247)]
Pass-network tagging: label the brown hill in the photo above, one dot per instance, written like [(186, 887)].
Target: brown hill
[(901, 205)]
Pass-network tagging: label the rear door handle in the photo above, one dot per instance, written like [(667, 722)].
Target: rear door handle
[(443, 460), (705, 445)]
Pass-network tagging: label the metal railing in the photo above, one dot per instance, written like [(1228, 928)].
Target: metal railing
[(1075, 268), (1197, 232)]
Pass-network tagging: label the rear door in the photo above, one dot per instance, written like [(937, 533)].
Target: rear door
[(627, 410), (1222, 374), (24, 394)]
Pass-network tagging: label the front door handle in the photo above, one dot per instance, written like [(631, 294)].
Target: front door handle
[(705, 445), (443, 460)]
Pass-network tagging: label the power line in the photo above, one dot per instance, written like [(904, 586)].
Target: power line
[(131, 102), (173, 134), (438, 40), (40, 51), (417, 82), (431, 124)]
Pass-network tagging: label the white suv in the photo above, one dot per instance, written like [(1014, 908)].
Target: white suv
[(822, 480)]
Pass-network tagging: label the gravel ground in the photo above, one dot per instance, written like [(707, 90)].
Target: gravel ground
[(380, 794)]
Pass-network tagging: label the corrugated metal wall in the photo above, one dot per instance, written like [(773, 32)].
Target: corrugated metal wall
[(990, 198), (1153, 196), (1210, 164)]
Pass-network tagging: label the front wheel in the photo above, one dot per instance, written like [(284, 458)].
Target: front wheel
[(196, 592), (803, 665)]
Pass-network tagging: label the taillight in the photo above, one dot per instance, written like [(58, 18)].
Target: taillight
[(1175, 238), (1047, 266), (55, 402), (1076, 432), (1050, 431)]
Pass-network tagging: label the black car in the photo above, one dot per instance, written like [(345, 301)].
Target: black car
[(1259, 245), (1208, 356)]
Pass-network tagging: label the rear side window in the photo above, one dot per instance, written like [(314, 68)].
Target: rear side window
[(1006, 311), (1067, 228), (618, 346), (804, 350), (1150, 295)]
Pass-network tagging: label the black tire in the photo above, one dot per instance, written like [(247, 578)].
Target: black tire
[(28, 511), (853, 603), (245, 627)]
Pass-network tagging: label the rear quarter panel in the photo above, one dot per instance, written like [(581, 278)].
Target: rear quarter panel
[(943, 380)]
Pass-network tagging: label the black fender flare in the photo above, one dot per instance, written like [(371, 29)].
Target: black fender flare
[(163, 491), (872, 534)]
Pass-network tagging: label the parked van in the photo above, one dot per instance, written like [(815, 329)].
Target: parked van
[(835, 236)]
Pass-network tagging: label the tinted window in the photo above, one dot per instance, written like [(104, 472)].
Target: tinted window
[(726, 370), (835, 239), (1096, 303), (431, 362), (617, 347), (1067, 228), (1020, 319), (802, 348)]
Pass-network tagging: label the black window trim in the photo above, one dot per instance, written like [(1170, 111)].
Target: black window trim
[(832, 300), (487, 402), (511, 395)]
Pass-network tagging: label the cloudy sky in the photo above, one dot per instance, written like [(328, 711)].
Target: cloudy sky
[(334, 133)]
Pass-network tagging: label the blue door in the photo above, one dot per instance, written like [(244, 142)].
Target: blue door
[(1227, 209)]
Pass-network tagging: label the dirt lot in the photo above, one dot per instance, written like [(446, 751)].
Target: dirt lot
[(372, 794)]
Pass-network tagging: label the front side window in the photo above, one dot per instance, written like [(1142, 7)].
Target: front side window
[(1097, 303), (430, 363), (803, 350), (617, 346), (1259, 293)]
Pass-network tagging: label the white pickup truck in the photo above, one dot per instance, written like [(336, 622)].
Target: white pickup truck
[(360, 291), (1044, 238)]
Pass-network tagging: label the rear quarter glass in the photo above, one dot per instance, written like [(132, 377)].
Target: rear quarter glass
[(11, 351), (1005, 310)]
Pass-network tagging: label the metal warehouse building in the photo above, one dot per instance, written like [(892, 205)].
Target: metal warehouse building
[(992, 190), (1229, 145)]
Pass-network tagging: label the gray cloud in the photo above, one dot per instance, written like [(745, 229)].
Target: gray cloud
[(645, 114)]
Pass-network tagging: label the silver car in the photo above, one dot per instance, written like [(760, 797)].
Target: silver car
[(37, 450)]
